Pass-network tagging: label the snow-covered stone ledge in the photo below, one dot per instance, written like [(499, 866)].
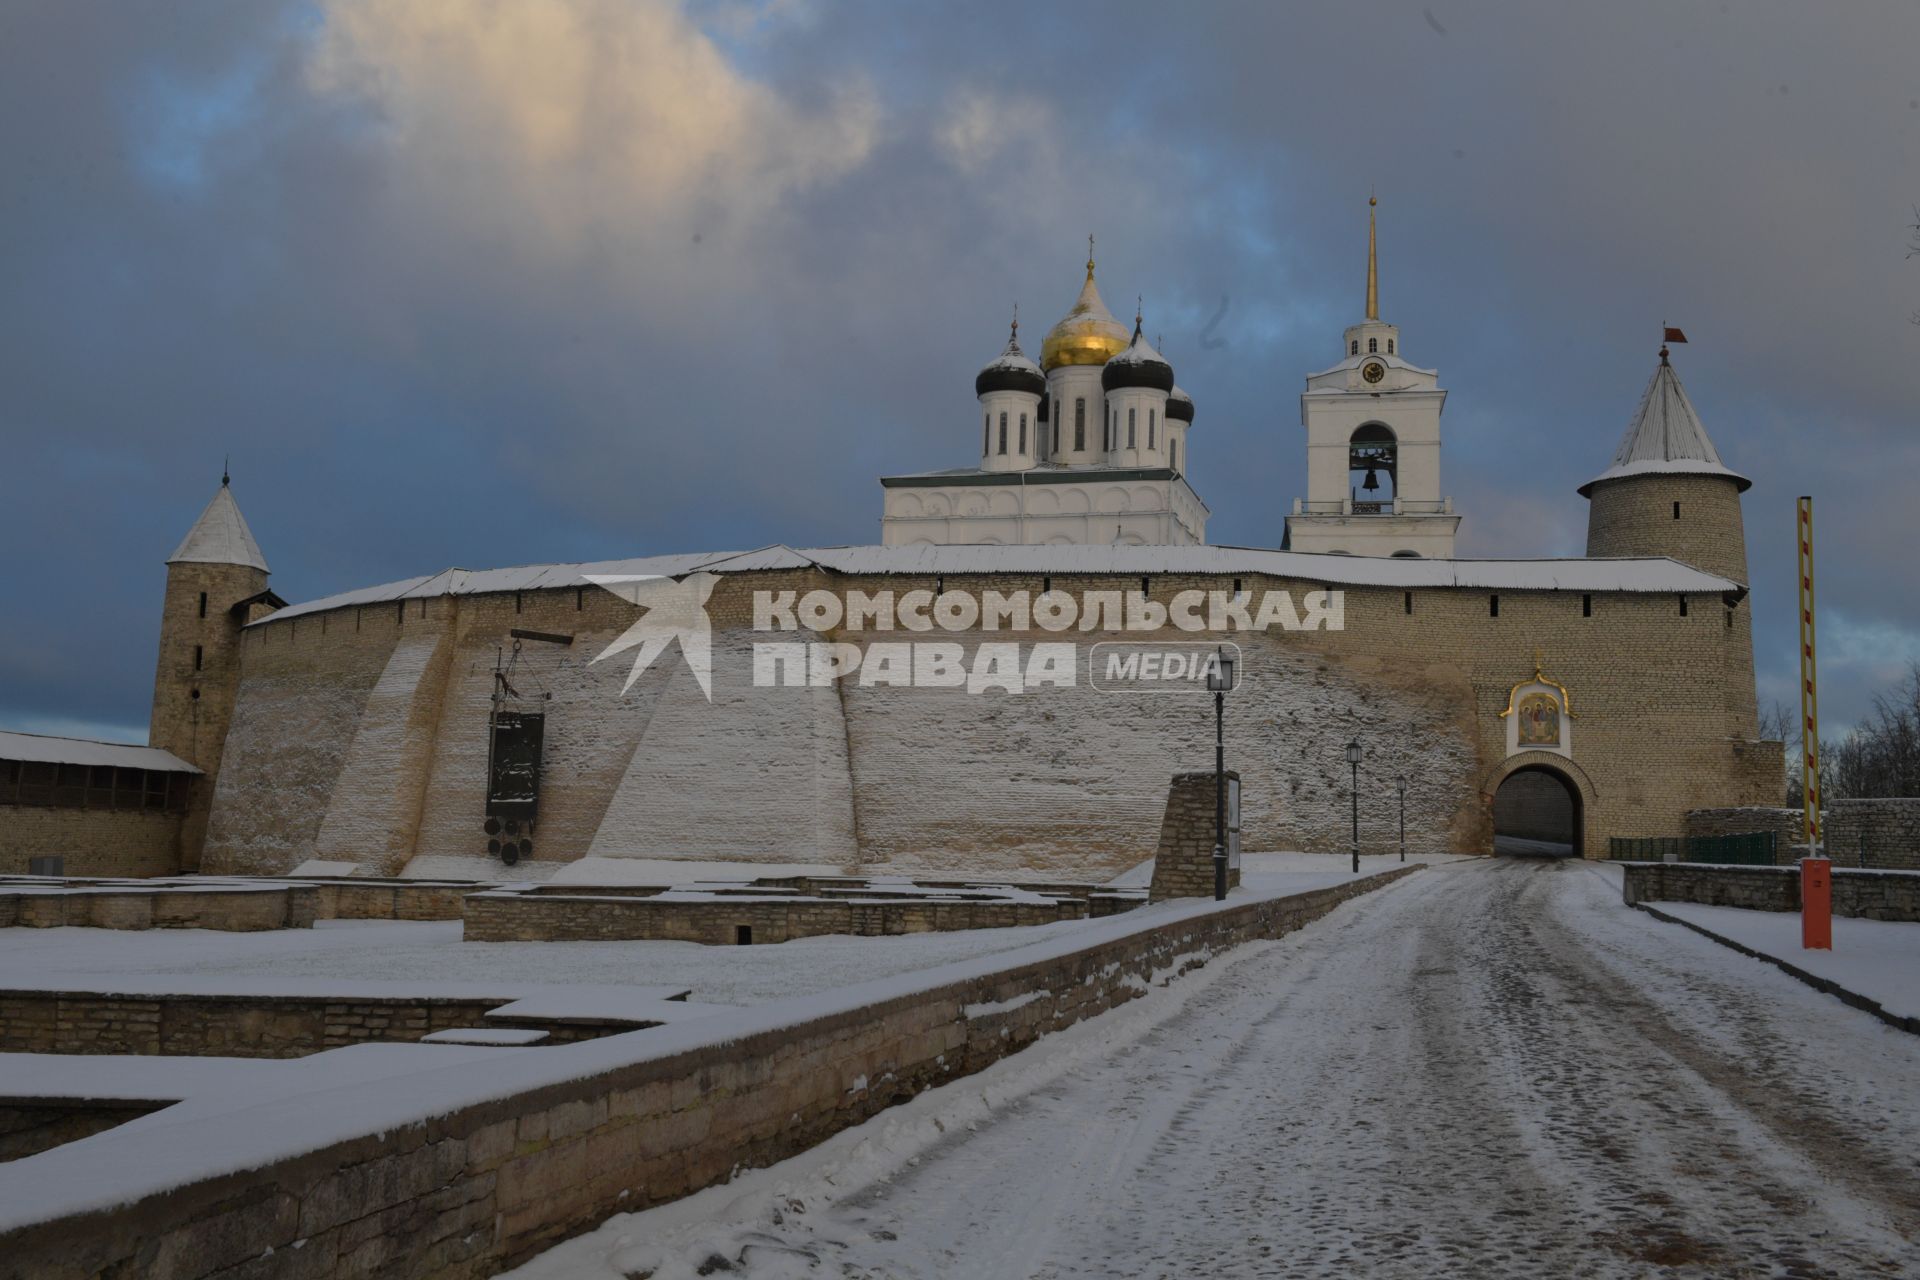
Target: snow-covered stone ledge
[(468, 1168), (1867, 894)]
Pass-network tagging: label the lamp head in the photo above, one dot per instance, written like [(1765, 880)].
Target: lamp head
[(1223, 671), (1353, 752)]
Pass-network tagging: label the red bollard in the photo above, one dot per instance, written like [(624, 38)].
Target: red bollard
[(1816, 904)]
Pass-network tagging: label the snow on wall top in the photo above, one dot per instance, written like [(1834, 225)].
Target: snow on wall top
[(1665, 437), (1659, 576), (43, 748), (220, 536)]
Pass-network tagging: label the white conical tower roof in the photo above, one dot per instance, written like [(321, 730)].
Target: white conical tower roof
[(220, 536), (1665, 437)]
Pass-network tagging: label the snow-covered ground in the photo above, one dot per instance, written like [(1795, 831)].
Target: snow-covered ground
[(432, 952), (1879, 959), (1491, 1069)]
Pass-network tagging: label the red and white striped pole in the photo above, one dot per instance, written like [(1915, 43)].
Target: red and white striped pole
[(1816, 872)]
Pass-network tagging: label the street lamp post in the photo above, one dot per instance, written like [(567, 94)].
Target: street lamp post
[(1220, 676), (1353, 759), (1401, 783)]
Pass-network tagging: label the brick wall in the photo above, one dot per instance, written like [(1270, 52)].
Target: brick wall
[(221, 1026), (1183, 861), (1869, 895), (243, 910), (557, 917), (94, 842), (1886, 831), (1064, 782), (486, 1186), (1788, 825)]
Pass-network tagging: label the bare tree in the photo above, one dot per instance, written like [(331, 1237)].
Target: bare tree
[(1881, 755)]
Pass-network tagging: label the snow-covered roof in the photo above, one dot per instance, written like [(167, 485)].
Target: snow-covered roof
[(1665, 437), (44, 748), (1652, 575), (220, 536), (1354, 362)]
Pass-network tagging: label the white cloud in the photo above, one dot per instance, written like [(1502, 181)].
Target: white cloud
[(565, 122)]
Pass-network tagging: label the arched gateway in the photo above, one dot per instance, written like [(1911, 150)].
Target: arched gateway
[(1539, 801)]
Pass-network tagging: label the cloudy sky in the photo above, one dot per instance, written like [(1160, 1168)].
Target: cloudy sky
[(488, 282)]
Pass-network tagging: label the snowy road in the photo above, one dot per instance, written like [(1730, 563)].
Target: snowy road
[(1490, 1069)]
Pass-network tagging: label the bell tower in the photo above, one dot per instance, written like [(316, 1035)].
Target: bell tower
[(1373, 445)]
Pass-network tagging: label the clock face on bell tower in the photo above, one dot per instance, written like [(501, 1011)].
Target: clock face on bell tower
[(1373, 371)]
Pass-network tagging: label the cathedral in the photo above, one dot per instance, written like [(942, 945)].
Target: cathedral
[(1084, 447), (852, 708)]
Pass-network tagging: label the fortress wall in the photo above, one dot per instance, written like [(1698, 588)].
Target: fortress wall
[(1064, 781), (303, 684)]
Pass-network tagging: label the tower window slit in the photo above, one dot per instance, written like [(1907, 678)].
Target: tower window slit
[(986, 434), (1151, 416), (1676, 511), (1173, 454), (579, 599), (517, 599), (1023, 433), (1003, 432), (400, 615), (1493, 606), (1683, 606), (1130, 427), (203, 604), (1586, 606), (1407, 603), (1080, 423), (198, 654), (1143, 586)]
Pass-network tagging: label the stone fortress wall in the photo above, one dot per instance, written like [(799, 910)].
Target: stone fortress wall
[(360, 733)]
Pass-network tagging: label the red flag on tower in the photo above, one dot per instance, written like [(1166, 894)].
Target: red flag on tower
[(1674, 335)]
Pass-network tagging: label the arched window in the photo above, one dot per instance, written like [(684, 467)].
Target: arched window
[(1355, 350), (1080, 423), (1389, 346), (1131, 411), (1152, 415), (986, 434), (1373, 345), (1003, 432), (1023, 433)]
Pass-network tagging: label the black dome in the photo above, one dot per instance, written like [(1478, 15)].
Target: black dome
[(1179, 408), (1138, 366), (1010, 375)]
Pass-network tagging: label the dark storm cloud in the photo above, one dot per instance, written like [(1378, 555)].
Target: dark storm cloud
[(485, 283)]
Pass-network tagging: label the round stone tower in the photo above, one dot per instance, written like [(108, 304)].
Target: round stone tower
[(1667, 492), (216, 584)]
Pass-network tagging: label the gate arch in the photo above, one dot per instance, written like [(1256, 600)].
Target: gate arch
[(1523, 809)]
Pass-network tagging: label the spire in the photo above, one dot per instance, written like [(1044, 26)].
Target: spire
[(220, 535), (1665, 436), (1013, 338), (1373, 264), (1089, 257)]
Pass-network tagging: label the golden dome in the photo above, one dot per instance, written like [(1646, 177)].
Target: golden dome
[(1088, 334)]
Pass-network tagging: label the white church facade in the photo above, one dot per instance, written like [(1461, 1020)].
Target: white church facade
[(1087, 447)]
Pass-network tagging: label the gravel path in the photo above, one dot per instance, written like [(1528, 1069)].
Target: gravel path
[(1491, 1069)]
